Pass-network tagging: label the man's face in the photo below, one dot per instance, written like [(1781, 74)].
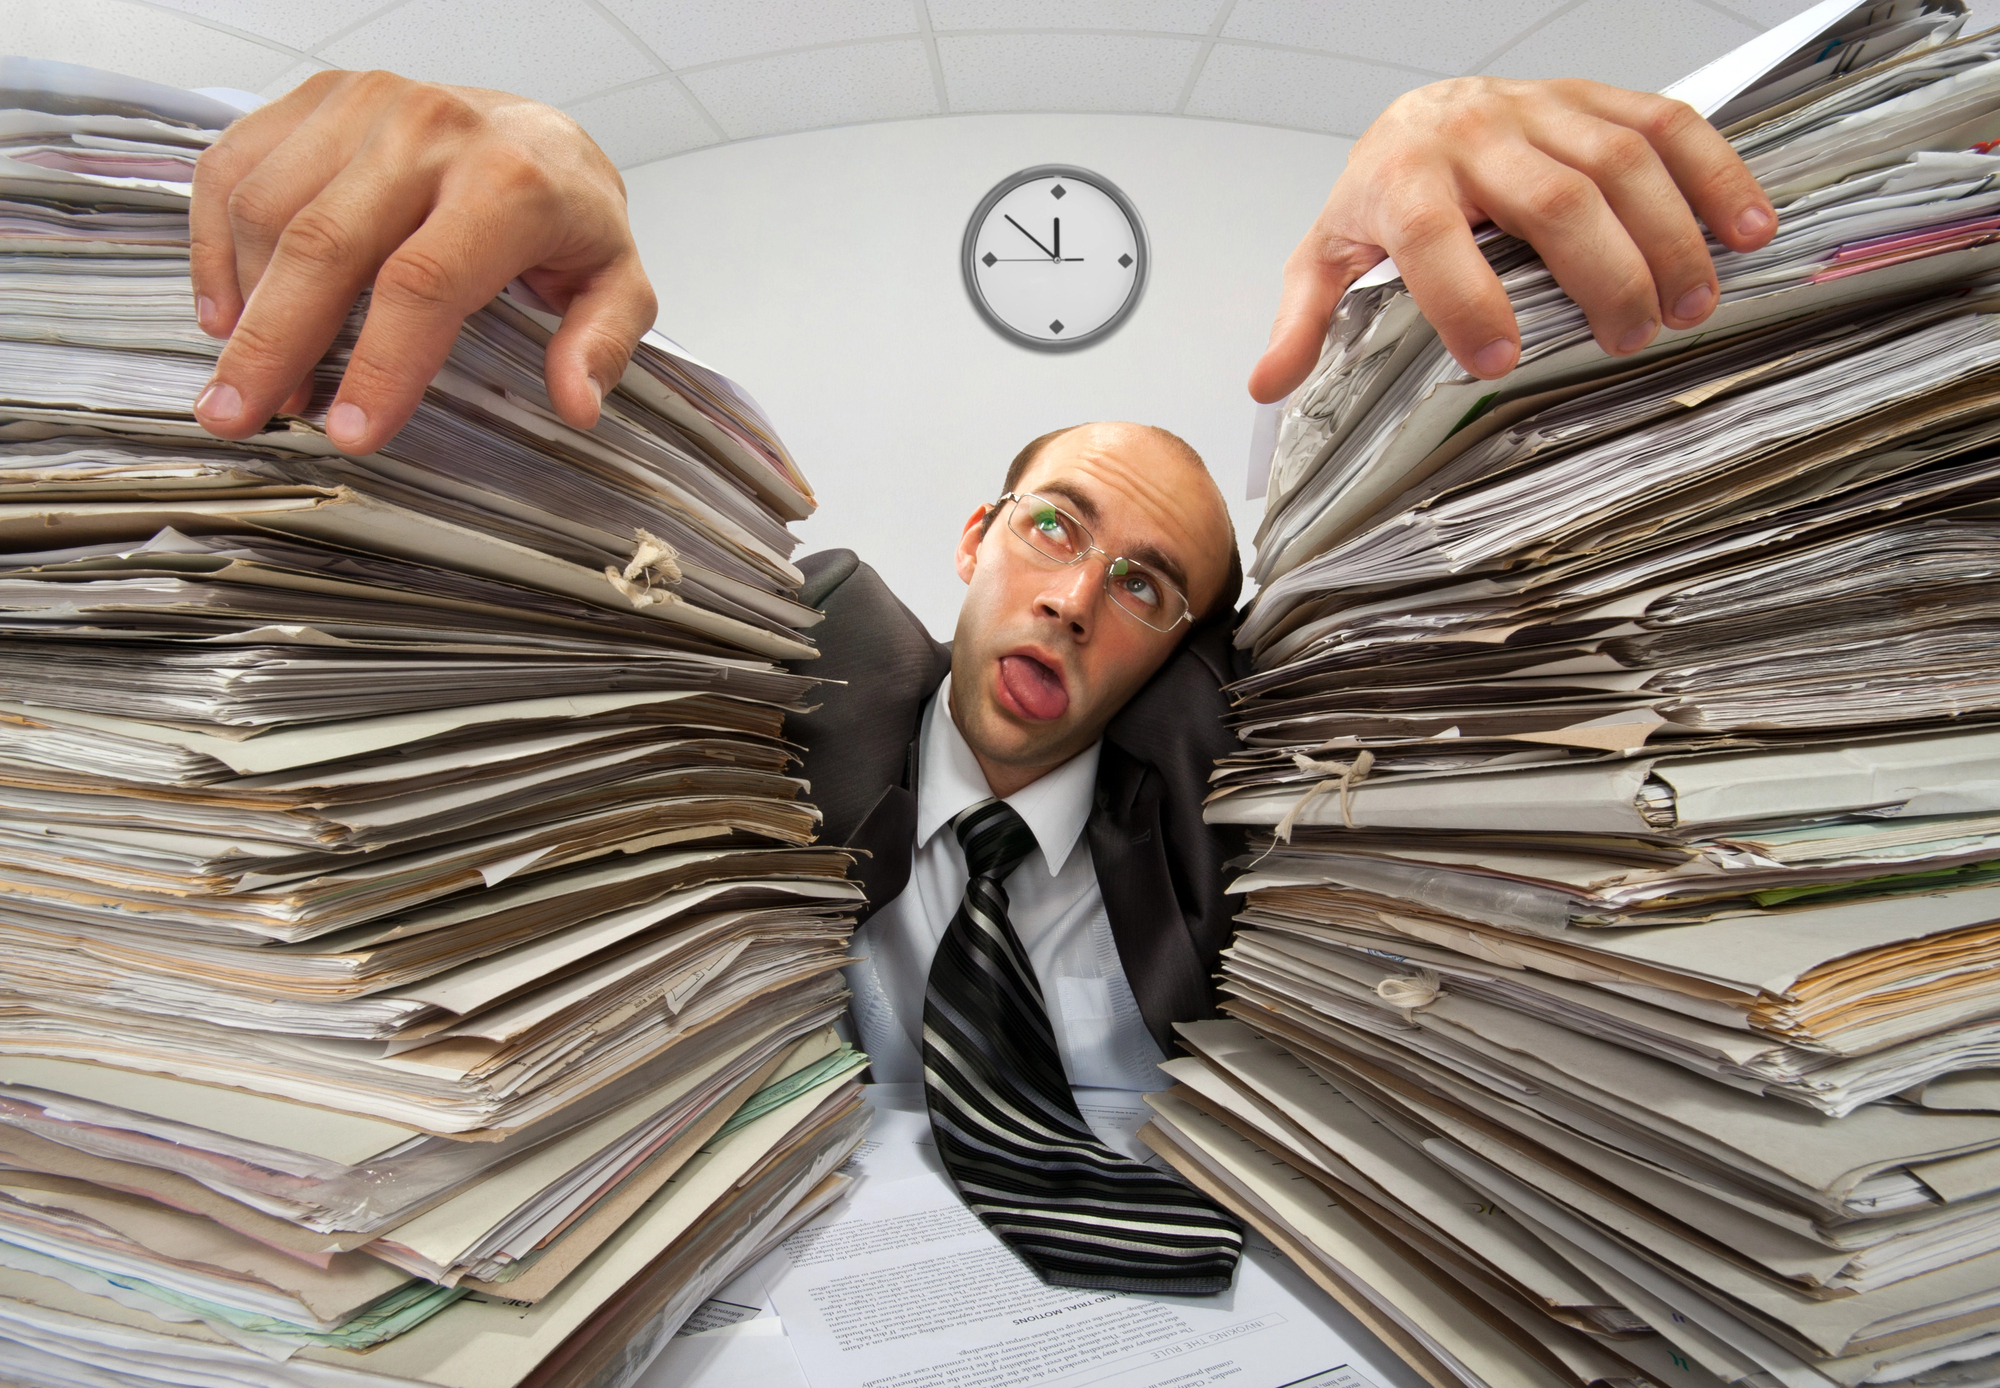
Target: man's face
[(1043, 657)]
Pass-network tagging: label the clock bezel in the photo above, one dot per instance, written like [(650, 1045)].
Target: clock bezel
[(970, 275)]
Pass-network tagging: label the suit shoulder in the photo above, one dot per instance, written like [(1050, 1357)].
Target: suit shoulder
[(859, 608), (825, 571), (880, 666), (1176, 720)]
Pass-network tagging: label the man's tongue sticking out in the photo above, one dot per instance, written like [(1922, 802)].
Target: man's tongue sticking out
[(1035, 689)]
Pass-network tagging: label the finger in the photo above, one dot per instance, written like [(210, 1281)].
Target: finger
[(453, 264), (221, 167), (601, 325), (1429, 234), (1563, 215), (374, 117), (289, 176), (1710, 174), (301, 396), (327, 253), (1642, 195), (1317, 273), (1713, 178)]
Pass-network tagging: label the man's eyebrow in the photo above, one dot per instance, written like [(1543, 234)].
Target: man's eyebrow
[(1152, 557), (1085, 508)]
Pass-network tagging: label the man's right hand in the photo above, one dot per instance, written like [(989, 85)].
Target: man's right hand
[(438, 197)]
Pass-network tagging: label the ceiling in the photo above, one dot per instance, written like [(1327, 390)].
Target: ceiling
[(654, 78)]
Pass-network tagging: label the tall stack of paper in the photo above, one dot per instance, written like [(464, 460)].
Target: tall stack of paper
[(416, 965), (1615, 995)]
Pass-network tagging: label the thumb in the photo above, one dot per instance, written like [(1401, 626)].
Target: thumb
[(601, 325), (1316, 275)]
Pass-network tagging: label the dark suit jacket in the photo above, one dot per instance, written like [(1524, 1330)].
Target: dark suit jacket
[(1159, 866)]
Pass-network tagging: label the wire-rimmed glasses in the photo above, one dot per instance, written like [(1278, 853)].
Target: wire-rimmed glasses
[(1139, 589)]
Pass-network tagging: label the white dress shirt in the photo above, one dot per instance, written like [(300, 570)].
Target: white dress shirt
[(1055, 906)]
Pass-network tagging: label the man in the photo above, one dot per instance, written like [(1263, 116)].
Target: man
[(1083, 692), (1105, 567), (1120, 906)]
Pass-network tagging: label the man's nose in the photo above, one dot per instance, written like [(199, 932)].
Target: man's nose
[(1071, 596)]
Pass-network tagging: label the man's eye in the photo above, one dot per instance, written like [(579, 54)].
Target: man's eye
[(1137, 584), (1050, 524)]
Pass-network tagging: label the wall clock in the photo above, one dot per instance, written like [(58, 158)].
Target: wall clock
[(1055, 257)]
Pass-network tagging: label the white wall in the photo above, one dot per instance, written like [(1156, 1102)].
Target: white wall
[(821, 271)]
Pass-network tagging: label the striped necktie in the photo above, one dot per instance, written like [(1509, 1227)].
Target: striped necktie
[(1078, 1213)]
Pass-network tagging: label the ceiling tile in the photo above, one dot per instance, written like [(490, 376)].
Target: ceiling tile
[(822, 86), (1302, 90), (643, 123), (1454, 35), (290, 78), (294, 25), (1641, 44), (1156, 16), (1064, 72), (139, 41), (707, 31), (551, 50), (1768, 12)]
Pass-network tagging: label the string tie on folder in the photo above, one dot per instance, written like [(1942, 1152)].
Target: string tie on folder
[(654, 561), (1410, 995), (1340, 776)]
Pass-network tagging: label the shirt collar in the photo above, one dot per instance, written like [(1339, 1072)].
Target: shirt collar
[(1054, 807)]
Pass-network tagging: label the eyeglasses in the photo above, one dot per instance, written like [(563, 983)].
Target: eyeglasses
[(1138, 589)]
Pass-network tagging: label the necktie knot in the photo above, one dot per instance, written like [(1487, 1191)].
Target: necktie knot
[(995, 838)]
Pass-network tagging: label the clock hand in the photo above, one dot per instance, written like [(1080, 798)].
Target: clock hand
[(1034, 260), (1056, 254), (1031, 236)]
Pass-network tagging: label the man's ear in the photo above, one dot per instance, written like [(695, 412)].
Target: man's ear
[(967, 557)]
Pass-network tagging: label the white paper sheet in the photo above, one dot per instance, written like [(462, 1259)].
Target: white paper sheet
[(901, 1284)]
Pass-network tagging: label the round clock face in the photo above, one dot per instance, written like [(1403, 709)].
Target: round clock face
[(1055, 257)]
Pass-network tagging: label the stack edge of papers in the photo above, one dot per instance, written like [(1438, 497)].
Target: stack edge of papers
[(418, 964), (1613, 999)]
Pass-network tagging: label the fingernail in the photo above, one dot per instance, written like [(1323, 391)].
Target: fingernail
[(1752, 221), (1496, 358), (1694, 303), (204, 314), (346, 423), (596, 389), (219, 403), (1638, 337)]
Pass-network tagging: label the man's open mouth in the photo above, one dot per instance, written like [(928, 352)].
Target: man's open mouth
[(1034, 688)]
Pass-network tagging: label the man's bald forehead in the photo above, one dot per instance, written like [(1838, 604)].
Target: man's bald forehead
[(1153, 434)]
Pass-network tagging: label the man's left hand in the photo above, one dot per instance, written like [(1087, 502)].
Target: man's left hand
[(1606, 184)]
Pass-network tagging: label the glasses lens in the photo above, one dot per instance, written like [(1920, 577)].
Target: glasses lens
[(1146, 594), (1049, 528)]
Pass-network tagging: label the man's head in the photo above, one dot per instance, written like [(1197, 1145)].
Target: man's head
[(1044, 656)]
